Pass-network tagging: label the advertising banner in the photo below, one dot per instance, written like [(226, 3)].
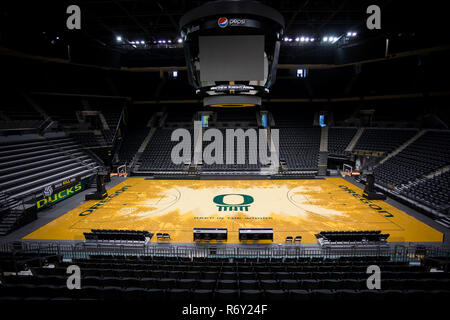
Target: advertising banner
[(59, 191)]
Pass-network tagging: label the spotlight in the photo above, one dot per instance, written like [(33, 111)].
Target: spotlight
[(297, 39), (349, 34), (142, 42), (312, 39), (302, 39), (118, 38), (325, 39), (180, 40), (354, 34)]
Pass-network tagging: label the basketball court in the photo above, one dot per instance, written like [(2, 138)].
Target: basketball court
[(290, 207)]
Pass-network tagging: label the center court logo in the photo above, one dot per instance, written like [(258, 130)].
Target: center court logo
[(222, 22), (222, 205)]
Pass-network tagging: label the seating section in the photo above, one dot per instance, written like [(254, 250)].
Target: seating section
[(179, 116), (299, 148), (428, 153), (60, 109), (26, 166), (20, 124), (106, 277), (17, 113), (88, 138), (338, 140), (112, 118), (131, 143), (433, 192), (157, 154), (249, 153), (16, 108), (384, 140)]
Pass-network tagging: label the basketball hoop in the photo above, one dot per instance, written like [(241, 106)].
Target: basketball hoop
[(122, 171)]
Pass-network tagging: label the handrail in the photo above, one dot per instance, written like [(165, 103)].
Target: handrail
[(402, 253), (114, 145)]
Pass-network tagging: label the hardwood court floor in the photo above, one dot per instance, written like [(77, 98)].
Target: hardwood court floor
[(290, 207)]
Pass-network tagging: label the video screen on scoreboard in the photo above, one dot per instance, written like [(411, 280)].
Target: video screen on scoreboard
[(231, 58), (205, 120), (264, 121), (322, 120)]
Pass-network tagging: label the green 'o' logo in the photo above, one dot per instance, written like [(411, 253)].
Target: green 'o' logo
[(222, 206)]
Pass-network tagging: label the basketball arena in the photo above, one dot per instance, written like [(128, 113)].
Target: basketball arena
[(284, 152), (291, 207)]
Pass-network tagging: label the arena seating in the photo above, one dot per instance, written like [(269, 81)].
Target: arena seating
[(425, 155), (131, 143), (20, 124), (234, 167), (106, 277), (88, 138), (181, 116), (28, 165), (385, 140), (15, 107), (65, 116), (338, 140), (156, 156), (433, 192), (299, 148), (112, 118)]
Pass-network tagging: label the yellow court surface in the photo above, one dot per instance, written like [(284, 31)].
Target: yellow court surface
[(290, 207)]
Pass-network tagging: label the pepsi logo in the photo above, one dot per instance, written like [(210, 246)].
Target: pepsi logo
[(222, 22)]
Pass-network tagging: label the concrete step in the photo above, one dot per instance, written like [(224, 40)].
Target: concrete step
[(444, 222)]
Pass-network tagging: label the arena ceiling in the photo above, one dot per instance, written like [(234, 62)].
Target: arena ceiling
[(39, 28), (158, 19)]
